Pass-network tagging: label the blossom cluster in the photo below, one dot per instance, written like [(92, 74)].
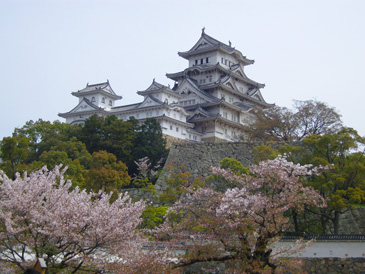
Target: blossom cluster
[(42, 216)]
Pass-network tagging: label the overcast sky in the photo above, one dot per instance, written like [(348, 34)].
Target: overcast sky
[(312, 49)]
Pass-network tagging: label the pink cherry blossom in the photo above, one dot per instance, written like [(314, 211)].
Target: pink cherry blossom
[(242, 224), (41, 216)]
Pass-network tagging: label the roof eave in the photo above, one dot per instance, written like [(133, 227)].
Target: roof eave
[(81, 93)]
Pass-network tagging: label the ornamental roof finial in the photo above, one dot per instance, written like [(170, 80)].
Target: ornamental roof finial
[(230, 43), (203, 30)]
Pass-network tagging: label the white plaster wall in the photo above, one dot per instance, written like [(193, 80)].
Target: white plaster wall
[(169, 128), (229, 113), (98, 100), (211, 56), (227, 57), (242, 87), (170, 98), (331, 249), (159, 96), (193, 137)]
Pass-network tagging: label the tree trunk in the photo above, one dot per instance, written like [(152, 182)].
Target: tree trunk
[(295, 220), (336, 222)]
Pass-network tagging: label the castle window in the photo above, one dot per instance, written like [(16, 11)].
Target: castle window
[(93, 99), (170, 127), (222, 61), (207, 60), (196, 62), (177, 129), (110, 103), (201, 61), (103, 100)]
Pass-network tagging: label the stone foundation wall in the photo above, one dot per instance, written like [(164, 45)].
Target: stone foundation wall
[(214, 140), (198, 158), (353, 222), (140, 193), (172, 140), (311, 266), (334, 265)]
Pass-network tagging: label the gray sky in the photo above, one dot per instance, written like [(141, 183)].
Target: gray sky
[(312, 49)]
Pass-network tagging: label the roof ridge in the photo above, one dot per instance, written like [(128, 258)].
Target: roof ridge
[(97, 84), (216, 41)]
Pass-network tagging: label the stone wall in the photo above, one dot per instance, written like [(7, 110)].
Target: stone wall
[(198, 158), (334, 265), (311, 266), (353, 222), (172, 140)]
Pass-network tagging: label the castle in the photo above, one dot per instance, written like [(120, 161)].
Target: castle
[(210, 101)]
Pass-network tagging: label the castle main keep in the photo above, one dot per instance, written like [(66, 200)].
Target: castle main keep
[(211, 100)]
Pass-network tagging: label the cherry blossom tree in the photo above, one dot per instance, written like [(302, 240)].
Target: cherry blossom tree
[(240, 226), (42, 216)]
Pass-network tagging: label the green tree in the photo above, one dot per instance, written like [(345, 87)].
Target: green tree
[(282, 124), (218, 182), (149, 142), (44, 135), (262, 152), (107, 173), (53, 144), (14, 152), (153, 216), (177, 183), (75, 150), (110, 134), (75, 171), (344, 183), (92, 133), (234, 165)]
